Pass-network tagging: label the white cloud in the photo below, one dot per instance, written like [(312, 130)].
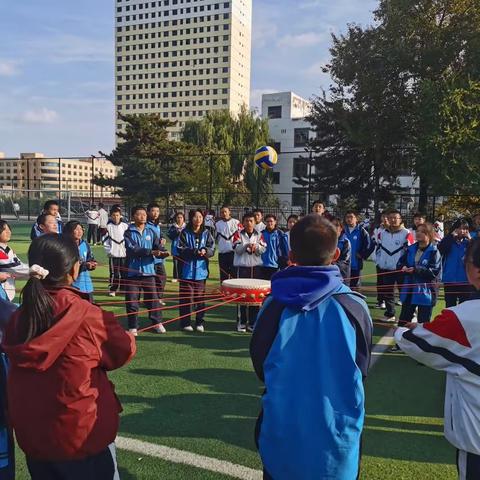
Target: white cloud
[(306, 39), (256, 97), (8, 68), (40, 116)]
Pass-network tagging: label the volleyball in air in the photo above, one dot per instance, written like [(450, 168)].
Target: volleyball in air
[(266, 157)]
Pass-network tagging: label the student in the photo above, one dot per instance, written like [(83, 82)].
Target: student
[(60, 347), (102, 223), (418, 219), (362, 246), (391, 244), (259, 225), (174, 234), (383, 224), (195, 245), (46, 223), (93, 220), (318, 208), (312, 413), (142, 245), (225, 229), (153, 215), (476, 225), (210, 221), (275, 250), (291, 221), (343, 261), (249, 246), (51, 207), (421, 264), (74, 230), (10, 265), (114, 244), (451, 344), (454, 277), (439, 227)]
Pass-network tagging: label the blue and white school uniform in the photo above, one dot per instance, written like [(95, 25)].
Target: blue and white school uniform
[(84, 281)]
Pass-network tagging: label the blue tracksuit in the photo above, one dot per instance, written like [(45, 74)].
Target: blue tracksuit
[(84, 281), (158, 230), (194, 266), (311, 348), (453, 254), (139, 246), (345, 258), (361, 244), (36, 232), (275, 248), (420, 288)]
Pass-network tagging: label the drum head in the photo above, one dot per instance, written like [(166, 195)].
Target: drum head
[(247, 284)]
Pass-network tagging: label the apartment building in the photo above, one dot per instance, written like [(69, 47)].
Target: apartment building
[(182, 58), (32, 171)]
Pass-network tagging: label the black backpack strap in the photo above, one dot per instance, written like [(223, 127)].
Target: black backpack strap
[(360, 319)]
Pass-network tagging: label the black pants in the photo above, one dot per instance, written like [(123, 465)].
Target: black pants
[(192, 292), (455, 294), (380, 298), (100, 233), (468, 466), (117, 272), (92, 233), (134, 288), (161, 278), (389, 281), (177, 268), (266, 273), (102, 466), (225, 262), (355, 278), (406, 315), (248, 315)]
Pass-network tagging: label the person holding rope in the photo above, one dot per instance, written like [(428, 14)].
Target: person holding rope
[(196, 245), (451, 344), (142, 245), (311, 348), (225, 229), (62, 406)]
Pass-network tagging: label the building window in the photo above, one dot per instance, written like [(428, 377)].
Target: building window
[(301, 137), (277, 147), (276, 178), (275, 111), (300, 167), (299, 198)]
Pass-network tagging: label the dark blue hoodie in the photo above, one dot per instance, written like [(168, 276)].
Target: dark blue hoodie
[(311, 348)]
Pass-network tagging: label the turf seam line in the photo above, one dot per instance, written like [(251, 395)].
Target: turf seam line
[(381, 347), (187, 458)]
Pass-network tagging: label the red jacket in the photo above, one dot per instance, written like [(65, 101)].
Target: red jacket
[(62, 405)]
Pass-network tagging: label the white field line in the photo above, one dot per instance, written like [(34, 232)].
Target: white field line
[(179, 456), (381, 347)]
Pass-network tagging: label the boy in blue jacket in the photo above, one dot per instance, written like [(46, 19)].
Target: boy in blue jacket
[(344, 259), (143, 246), (311, 349), (274, 238), (361, 244)]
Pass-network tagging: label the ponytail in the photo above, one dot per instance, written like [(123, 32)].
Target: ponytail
[(37, 310), (51, 258)]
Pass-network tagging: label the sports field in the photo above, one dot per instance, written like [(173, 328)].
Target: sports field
[(197, 394)]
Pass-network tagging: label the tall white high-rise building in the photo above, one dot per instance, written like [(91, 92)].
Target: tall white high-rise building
[(182, 58)]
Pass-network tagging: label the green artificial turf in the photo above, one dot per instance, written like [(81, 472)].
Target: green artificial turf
[(198, 393)]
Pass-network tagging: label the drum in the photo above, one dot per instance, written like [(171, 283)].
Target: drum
[(247, 291)]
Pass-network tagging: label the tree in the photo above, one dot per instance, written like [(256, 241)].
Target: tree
[(229, 141), (152, 166)]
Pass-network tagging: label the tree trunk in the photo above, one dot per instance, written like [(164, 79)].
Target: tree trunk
[(423, 198)]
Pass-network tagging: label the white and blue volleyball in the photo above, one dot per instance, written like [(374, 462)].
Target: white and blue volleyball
[(266, 157)]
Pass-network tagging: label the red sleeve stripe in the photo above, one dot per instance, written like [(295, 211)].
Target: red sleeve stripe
[(447, 325)]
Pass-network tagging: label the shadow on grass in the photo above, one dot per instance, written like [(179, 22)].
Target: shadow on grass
[(125, 474), (228, 414), (399, 388)]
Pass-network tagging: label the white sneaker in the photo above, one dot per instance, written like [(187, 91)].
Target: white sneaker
[(111, 294), (387, 319), (380, 305), (133, 331), (249, 328), (200, 328), (160, 329), (162, 303), (399, 303), (241, 328), (174, 280), (188, 329)]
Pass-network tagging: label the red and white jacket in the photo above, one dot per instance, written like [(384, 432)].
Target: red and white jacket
[(244, 257), (451, 343), (9, 263), (390, 247)]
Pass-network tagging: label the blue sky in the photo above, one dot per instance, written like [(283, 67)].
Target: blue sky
[(56, 65)]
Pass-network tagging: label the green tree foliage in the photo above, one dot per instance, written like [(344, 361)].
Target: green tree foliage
[(229, 142), (404, 94), (152, 166)]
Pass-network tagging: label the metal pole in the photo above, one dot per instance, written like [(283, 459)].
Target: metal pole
[(167, 203), (92, 195), (69, 204), (28, 188), (259, 182), (309, 181), (59, 177), (210, 186)]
